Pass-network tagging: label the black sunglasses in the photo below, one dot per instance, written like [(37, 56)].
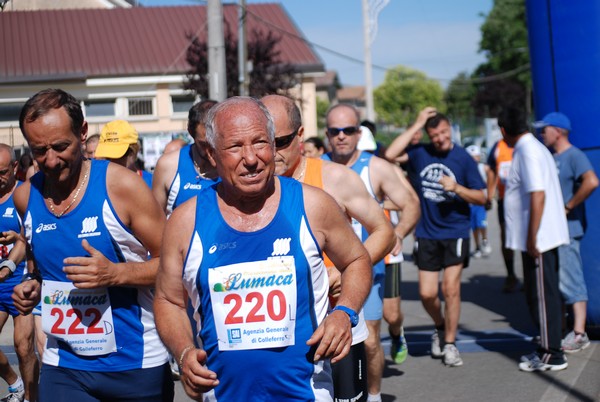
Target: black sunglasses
[(285, 140), (334, 131)]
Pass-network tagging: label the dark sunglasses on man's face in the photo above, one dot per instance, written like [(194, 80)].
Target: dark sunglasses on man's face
[(285, 140), (334, 131)]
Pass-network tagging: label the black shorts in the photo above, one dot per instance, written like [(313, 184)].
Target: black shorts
[(435, 255), (153, 384), (500, 211), (350, 376), (393, 277)]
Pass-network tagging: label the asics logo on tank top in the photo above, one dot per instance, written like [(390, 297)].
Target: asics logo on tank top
[(281, 246), (88, 227), (222, 246), (45, 227), (9, 213), (192, 186), (430, 177)]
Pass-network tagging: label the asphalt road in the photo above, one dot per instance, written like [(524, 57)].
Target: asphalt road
[(495, 330)]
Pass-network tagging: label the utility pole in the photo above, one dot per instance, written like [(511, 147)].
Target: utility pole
[(217, 77), (368, 67), (243, 51)]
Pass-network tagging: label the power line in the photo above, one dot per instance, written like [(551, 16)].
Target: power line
[(491, 78)]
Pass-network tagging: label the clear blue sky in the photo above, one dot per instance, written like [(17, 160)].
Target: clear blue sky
[(438, 37)]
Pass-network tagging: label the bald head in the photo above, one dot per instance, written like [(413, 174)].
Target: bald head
[(285, 108), (240, 108)]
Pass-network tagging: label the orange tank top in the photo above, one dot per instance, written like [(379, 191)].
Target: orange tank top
[(313, 175), (503, 156)]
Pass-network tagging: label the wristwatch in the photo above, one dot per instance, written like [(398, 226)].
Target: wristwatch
[(351, 313)]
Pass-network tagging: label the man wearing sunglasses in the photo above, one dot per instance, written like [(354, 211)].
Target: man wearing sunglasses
[(449, 181), (382, 182), (347, 189)]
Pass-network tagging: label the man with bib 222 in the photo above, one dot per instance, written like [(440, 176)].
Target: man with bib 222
[(89, 240)]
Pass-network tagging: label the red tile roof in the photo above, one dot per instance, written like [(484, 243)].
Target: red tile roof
[(87, 43)]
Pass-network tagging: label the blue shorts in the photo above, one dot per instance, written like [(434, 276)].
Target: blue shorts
[(373, 307), (570, 273), (59, 384), (478, 217), (6, 290)]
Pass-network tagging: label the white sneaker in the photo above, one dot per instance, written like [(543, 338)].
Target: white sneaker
[(15, 396), (575, 342), (530, 357), (436, 349), (486, 249), (538, 365), (452, 356)]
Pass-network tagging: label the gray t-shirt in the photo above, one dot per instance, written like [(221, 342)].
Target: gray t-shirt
[(572, 164)]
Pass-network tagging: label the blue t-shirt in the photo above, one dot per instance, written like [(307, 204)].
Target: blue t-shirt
[(444, 215), (572, 164)]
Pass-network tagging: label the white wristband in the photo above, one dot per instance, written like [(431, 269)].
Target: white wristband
[(8, 264)]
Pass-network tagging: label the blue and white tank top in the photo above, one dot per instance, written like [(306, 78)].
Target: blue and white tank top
[(361, 167), (257, 298), (187, 182), (10, 220), (77, 335)]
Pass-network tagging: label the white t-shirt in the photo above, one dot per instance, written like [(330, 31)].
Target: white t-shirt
[(534, 169)]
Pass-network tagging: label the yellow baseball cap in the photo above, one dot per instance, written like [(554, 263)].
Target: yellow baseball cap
[(115, 138)]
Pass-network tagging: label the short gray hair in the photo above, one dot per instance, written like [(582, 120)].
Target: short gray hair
[(211, 130)]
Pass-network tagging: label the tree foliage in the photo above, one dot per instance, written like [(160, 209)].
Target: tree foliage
[(268, 74), (504, 42), (459, 98), (403, 93)]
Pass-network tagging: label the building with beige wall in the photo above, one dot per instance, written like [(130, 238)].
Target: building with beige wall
[(126, 63)]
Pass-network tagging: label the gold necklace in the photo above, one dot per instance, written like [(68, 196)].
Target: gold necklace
[(200, 174), (303, 168), (51, 204), (196, 166)]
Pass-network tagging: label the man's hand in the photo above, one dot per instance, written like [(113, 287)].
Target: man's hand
[(9, 237), (335, 282), (195, 378), (398, 246), (425, 115), (531, 246), (26, 296), (334, 337), (90, 272), (488, 204), (448, 183)]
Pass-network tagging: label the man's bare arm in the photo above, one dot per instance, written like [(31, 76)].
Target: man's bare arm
[(348, 189), (400, 143), (170, 314), (163, 176), (536, 209), (589, 182)]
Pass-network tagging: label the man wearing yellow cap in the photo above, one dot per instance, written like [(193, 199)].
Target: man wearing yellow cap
[(119, 144)]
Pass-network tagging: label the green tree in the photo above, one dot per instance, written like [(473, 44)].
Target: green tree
[(459, 97), (322, 107), (504, 79), (269, 74), (403, 93)]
